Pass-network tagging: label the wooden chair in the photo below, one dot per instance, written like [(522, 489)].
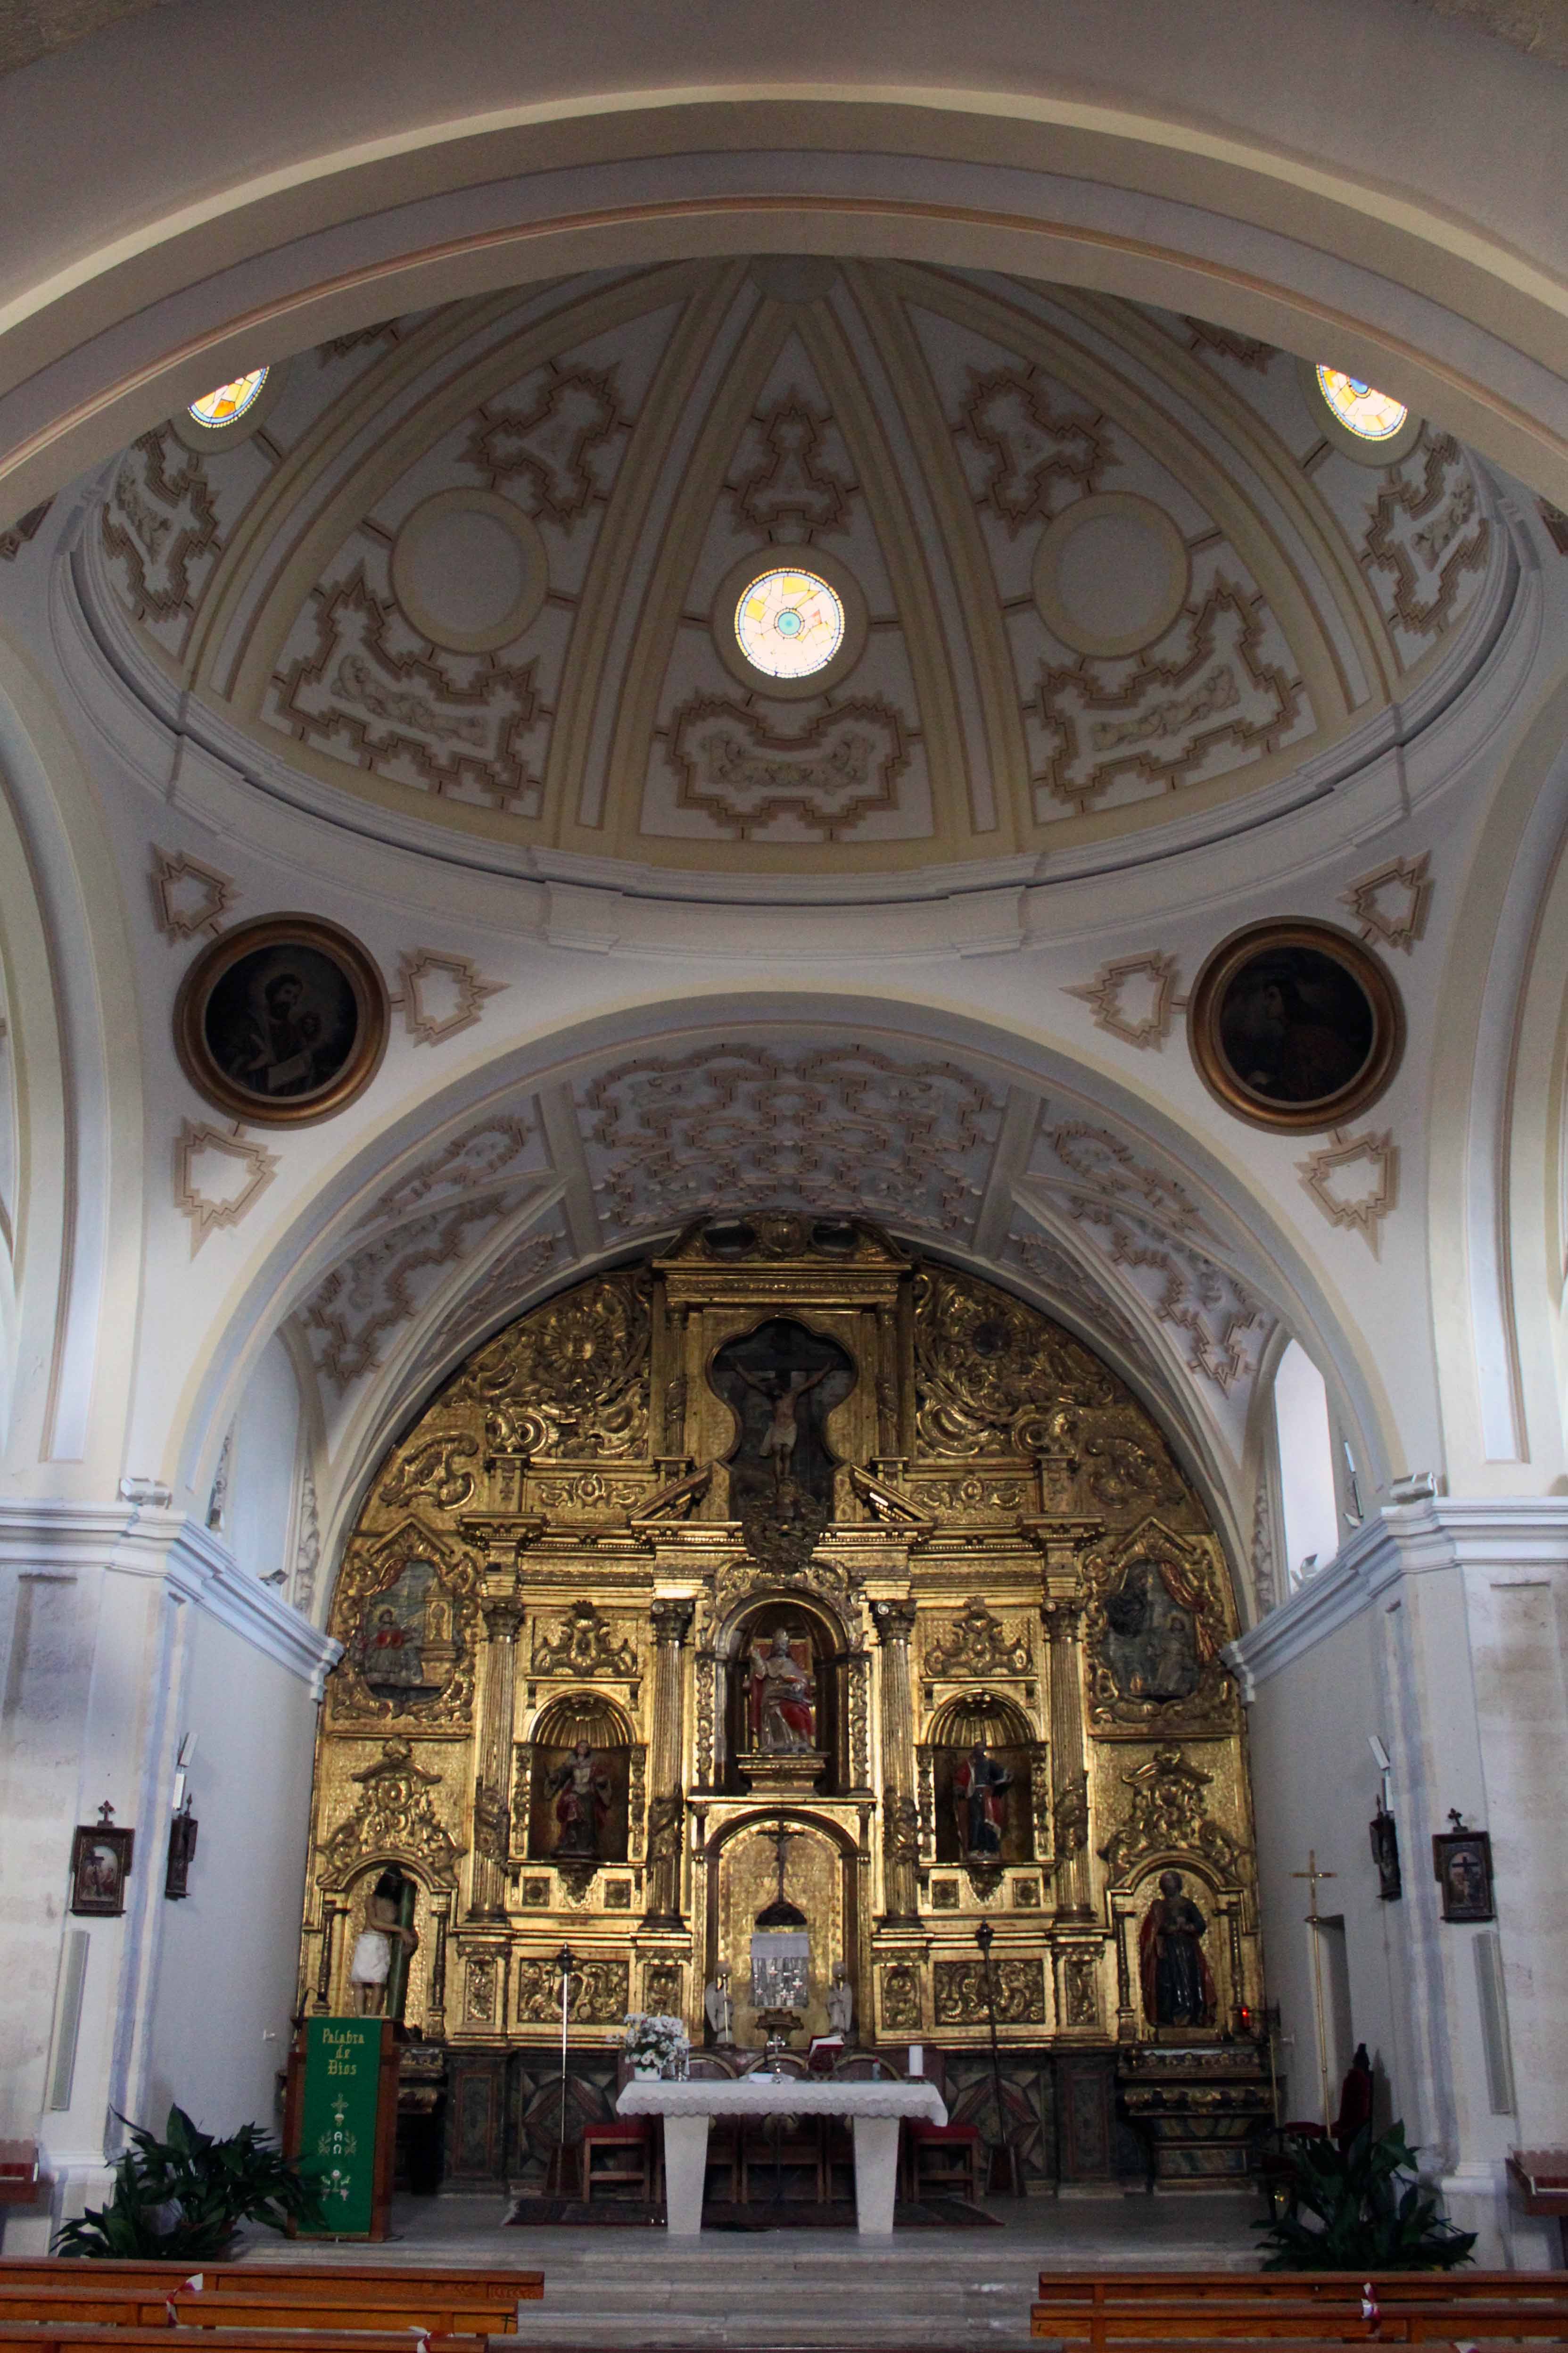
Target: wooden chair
[(946, 2158), (627, 2145)]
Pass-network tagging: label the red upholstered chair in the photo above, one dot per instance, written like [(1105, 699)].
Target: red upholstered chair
[(617, 2154), (945, 2157)]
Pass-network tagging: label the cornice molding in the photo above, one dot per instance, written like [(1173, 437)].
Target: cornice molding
[(1528, 1535), (70, 1539)]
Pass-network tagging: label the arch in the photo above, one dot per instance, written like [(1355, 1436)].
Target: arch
[(587, 1714), (280, 1272), (354, 198), (983, 1715)]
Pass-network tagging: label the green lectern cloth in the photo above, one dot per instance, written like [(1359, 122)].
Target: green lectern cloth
[(343, 2072)]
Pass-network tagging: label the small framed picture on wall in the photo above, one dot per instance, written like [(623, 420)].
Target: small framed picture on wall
[(100, 1865), (1462, 1865)]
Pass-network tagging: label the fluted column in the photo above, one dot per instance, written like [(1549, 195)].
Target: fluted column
[(1070, 1773), (492, 1778), (895, 1622), (667, 1805)]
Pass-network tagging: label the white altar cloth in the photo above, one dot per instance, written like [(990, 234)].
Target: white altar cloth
[(874, 2109)]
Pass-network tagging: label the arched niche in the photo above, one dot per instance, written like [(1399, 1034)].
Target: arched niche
[(785, 1726), (820, 1877), (579, 1806), (966, 1801)]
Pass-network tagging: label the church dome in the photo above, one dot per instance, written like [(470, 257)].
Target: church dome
[(793, 577)]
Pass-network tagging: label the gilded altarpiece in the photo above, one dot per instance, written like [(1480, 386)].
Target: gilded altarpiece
[(785, 1532)]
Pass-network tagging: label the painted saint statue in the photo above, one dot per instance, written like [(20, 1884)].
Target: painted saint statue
[(784, 1720), (1178, 1990), (980, 1787), (583, 1789), (370, 1966)]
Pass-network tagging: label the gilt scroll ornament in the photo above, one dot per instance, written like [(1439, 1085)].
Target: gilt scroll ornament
[(394, 1817)]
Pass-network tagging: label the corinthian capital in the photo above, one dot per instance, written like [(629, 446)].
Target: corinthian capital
[(894, 1620), (671, 1621)]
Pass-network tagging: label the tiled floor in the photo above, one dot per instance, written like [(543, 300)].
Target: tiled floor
[(635, 2288)]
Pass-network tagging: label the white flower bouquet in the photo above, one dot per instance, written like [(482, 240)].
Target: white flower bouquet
[(655, 2044)]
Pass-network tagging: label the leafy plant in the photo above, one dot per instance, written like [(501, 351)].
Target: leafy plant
[(183, 2197), (1371, 2213)]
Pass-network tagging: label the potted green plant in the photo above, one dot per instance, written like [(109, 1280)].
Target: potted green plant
[(1360, 2209), (183, 2198)]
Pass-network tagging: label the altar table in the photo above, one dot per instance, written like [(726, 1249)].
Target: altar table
[(874, 2109)]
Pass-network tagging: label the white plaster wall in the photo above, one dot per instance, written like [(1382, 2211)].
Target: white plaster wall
[(1314, 1787), (1519, 1632), (225, 1983), (48, 1628), (262, 1464)]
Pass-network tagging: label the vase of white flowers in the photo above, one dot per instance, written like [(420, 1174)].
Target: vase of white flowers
[(656, 2045)]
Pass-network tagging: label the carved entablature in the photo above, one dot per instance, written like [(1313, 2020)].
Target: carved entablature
[(406, 1612), (1158, 1615), (1168, 1820)]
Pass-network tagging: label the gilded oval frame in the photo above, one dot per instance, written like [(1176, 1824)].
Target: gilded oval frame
[(1281, 936), (356, 967)]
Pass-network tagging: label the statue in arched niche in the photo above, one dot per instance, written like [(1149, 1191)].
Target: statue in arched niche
[(782, 1710)]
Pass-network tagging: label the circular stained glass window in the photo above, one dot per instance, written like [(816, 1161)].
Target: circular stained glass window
[(1370, 415), (230, 401), (788, 623)]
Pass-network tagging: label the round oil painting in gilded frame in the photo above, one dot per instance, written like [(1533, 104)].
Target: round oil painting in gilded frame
[(1294, 1026), (281, 1021)]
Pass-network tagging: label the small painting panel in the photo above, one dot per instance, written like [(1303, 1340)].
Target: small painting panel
[(406, 1645), (281, 1021), (1462, 1865), (100, 1865), (1294, 1026)]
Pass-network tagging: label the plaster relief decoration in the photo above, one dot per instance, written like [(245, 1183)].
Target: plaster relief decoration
[(1220, 1325), (976, 1642), (1354, 1180), (793, 475), (307, 1546), (828, 1129), (219, 1174), (1039, 1257), (1227, 693), (26, 527), (189, 899), (365, 687), (1392, 902), (1427, 541), (160, 536), (494, 1150), (1167, 1813), (584, 1643), (748, 771), (385, 1284), (1157, 1617), (394, 1817), (1134, 997), (441, 994)]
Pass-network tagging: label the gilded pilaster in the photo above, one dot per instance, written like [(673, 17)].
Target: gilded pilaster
[(895, 1622), (667, 1808), (492, 1781), (1069, 1780)]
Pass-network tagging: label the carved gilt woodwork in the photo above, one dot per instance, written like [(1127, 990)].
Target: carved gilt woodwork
[(960, 1521)]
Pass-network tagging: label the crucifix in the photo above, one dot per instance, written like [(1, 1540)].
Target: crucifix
[(1313, 1875), (783, 1839)]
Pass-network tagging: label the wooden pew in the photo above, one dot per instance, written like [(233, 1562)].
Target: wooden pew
[(1421, 2288), (80, 2337), (446, 2312), (1276, 2321), (356, 2281)]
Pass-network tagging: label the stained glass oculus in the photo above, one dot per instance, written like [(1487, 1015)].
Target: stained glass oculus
[(230, 401), (789, 623), (1370, 415)]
